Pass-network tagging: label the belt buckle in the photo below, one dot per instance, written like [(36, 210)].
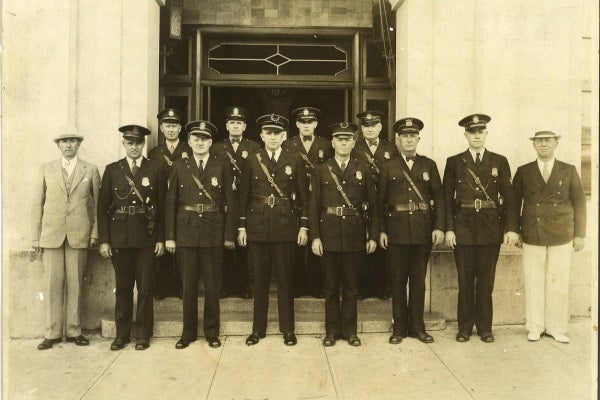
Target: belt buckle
[(412, 206), (339, 211), (199, 208), (271, 201), (131, 210), (478, 204)]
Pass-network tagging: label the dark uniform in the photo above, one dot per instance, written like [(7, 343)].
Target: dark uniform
[(236, 274), (342, 229), (308, 273), (374, 274), (408, 217), (199, 220), (132, 227), (271, 225), (479, 224), (168, 279)]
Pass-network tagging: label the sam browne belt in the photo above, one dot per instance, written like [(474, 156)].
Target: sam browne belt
[(201, 208), (478, 204), (131, 210), (341, 211), (408, 207)]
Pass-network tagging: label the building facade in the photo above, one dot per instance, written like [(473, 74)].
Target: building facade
[(99, 65)]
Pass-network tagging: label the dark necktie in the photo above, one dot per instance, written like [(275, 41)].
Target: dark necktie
[(343, 166), (201, 165), (372, 142), (307, 138), (235, 140), (477, 159), (273, 161), (411, 158), (134, 167)]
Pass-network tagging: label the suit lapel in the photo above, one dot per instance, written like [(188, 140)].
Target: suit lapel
[(58, 174), (78, 174), (125, 167), (549, 187)]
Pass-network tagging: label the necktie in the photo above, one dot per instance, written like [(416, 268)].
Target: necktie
[(343, 167), (307, 138), (66, 170), (411, 158), (372, 142), (235, 140), (172, 148), (477, 159), (134, 167), (201, 165), (273, 161), (546, 172)]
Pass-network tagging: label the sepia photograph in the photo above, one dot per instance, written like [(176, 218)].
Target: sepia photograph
[(230, 200)]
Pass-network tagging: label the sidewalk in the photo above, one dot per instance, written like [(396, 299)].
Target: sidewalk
[(510, 368)]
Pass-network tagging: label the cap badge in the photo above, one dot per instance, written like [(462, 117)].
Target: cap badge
[(368, 116), (236, 111), (344, 125), (202, 125), (171, 113), (426, 176), (244, 154), (408, 122), (305, 111), (475, 119), (359, 175), (494, 172), (274, 118), (321, 155), (145, 181), (214, 181), (288, 170)]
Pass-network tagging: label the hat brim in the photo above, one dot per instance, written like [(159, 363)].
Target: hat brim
[(544, 137), (59, 138)]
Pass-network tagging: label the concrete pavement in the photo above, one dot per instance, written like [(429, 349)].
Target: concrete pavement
[(510, 368)]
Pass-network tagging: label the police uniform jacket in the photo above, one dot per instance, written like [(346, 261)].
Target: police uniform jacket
[(319, 151), (128, 229), (277, 221), (200, 228), (161, 155), (553, 212), (412, 226), (474, 226), (346, 233), (223, 150), (385, 151)]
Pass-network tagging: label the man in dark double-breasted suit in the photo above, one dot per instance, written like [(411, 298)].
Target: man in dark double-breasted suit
[(411, 205), (481, 214), (130, 231), (170, 120), (553, 224), (200, 218), (343, 228), (308, 274), (375, 151), (234, 151), (273, 193)]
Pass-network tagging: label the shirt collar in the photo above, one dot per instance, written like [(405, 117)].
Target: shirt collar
[(138, 162), (339, 163), (474, 153), (277, 153), (174, 143), (404, 157), (204, 159), (71, 162), (550, 164)]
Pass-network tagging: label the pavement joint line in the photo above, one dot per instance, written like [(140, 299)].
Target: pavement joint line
[(452, 373), (212, 379), (101, 375), (329, 366)]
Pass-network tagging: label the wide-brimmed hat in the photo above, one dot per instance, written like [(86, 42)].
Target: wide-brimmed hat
[(68, 132), (544, 134)]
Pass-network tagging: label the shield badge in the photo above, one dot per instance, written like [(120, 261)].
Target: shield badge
[(288, 170), (244, 154), (214, 181), (494, 172), (426, 176)]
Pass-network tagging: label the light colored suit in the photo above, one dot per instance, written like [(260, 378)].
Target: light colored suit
[(63, 223)]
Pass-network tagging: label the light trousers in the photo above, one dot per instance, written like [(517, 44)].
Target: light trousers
[(64, 268), (546, 270)]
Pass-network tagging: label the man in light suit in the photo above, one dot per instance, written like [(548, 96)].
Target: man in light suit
[(63, 227), (553, 220)]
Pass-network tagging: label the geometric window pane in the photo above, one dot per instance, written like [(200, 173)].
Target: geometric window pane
[(259, 67), (312, 68), (243, 51)]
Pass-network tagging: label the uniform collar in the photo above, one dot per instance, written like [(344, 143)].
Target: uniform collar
[(474, 154)]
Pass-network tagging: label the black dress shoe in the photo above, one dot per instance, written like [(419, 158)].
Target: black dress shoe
[(395, 339), (79, 340), (423, 337), (118, 344), (182, 343), (329, 340), (253, 338), (462, 337), (48, 343), (487, 337), (142, 344), (214, 342), (353, 340), (289, 339)]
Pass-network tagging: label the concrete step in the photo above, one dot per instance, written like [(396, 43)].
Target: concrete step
[(374, 315)]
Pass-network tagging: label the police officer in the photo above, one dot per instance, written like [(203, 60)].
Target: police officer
[(308, 274), (234, 150), (130, 231), (200, 218), (481, 214), (168, 279), (375, 151), (343, 228), (411, 203), (273, 193)]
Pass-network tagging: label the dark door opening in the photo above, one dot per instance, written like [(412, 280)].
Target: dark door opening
[(333, 104)]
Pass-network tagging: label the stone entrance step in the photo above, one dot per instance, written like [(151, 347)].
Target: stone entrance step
[(374, 315)]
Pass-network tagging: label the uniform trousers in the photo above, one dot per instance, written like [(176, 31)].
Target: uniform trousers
[(408, 264), (308, 273), (546, 270), (134, 266), (263, 257), (64, 271), (168, 280), (341, 318), (374, 275), (476, 268), (236, 274), (209, 261)]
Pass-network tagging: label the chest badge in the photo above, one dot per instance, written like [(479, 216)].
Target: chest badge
[(495, 172), (145, 181), (214, 181), (288, 170), (560, 183), (244, 154), (386, 155), (359, 175), (321, 155), (184, 155), (426, 176)]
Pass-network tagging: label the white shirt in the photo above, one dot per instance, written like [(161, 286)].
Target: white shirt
[(474, 154), (549, 163), (138, 162), (372, 147), (339, 163), (307, 143), (409, 163), (277, 154), (204, 160), (171, 146), (69, 165)]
